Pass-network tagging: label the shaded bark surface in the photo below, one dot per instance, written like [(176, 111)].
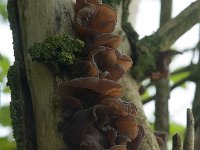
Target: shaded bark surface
[(130, 88), (161, 106), (39, 19)]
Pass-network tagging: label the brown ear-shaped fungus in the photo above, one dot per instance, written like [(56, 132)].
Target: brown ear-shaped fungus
[(110, 134), (135, 143), (89, 89), (94, 116), (105, 58), (126, 126), (115, 72), (103, 87), (92, 20), (79, 132), (82, 3), (107, 40), (68, 102), (162, 64), (84, 68), (116, 106), (124, 60)]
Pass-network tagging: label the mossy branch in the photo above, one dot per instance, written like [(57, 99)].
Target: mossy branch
[(189, 136), (177, 26)]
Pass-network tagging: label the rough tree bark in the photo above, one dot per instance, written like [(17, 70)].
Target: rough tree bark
[(33, 21), (33, 108)]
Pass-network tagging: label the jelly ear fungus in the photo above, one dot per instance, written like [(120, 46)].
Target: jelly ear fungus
[(94, 116)]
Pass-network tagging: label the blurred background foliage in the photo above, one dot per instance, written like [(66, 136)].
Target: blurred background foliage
[(6, 139), (3, 12)]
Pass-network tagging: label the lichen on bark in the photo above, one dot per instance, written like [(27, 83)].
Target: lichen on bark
[(59, 51), (16, 109), (147, 55)]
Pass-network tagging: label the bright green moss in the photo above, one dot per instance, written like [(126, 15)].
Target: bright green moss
[(58, 51)]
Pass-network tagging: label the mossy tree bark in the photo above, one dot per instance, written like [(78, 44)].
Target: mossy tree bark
[(33, 21)]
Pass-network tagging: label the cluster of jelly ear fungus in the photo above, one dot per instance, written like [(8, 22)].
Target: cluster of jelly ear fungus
[(94, 116)]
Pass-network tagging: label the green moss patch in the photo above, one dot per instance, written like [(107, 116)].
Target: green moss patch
[(58, 51)]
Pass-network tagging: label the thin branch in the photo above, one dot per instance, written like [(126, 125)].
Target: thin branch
[(166, 10), (145, 101), (188, 78), (176, 27), (132, 35), (162, 86), (182, 81), (177, 144), (189, 136), (191, 67)]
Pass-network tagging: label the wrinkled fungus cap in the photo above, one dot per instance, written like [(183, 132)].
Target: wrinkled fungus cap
[(101, 86), (93, 19), (124, 60)]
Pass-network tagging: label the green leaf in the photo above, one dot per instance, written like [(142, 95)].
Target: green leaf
[(5, 116), (6, 144)]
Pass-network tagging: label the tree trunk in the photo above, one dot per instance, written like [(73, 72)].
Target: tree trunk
[(37, 20), (34, 21)]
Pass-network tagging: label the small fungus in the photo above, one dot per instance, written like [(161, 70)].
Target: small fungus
[(162, 64)]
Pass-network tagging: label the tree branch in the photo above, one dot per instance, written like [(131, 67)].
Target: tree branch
[(128, 28), (189, 136), (162, 86), (191, 67), (166, 10), (177, 144), (176, 27), (188, 78)]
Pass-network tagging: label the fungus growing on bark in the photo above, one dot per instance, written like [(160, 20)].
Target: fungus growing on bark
[(94, 116), (94, 19), (162, 64)]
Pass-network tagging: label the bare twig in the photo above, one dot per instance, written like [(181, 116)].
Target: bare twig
[(166, 10), (177, 144), (189, 136), (176, 27), (128, 28), (191, 67), (182, 81), (188, 78)]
